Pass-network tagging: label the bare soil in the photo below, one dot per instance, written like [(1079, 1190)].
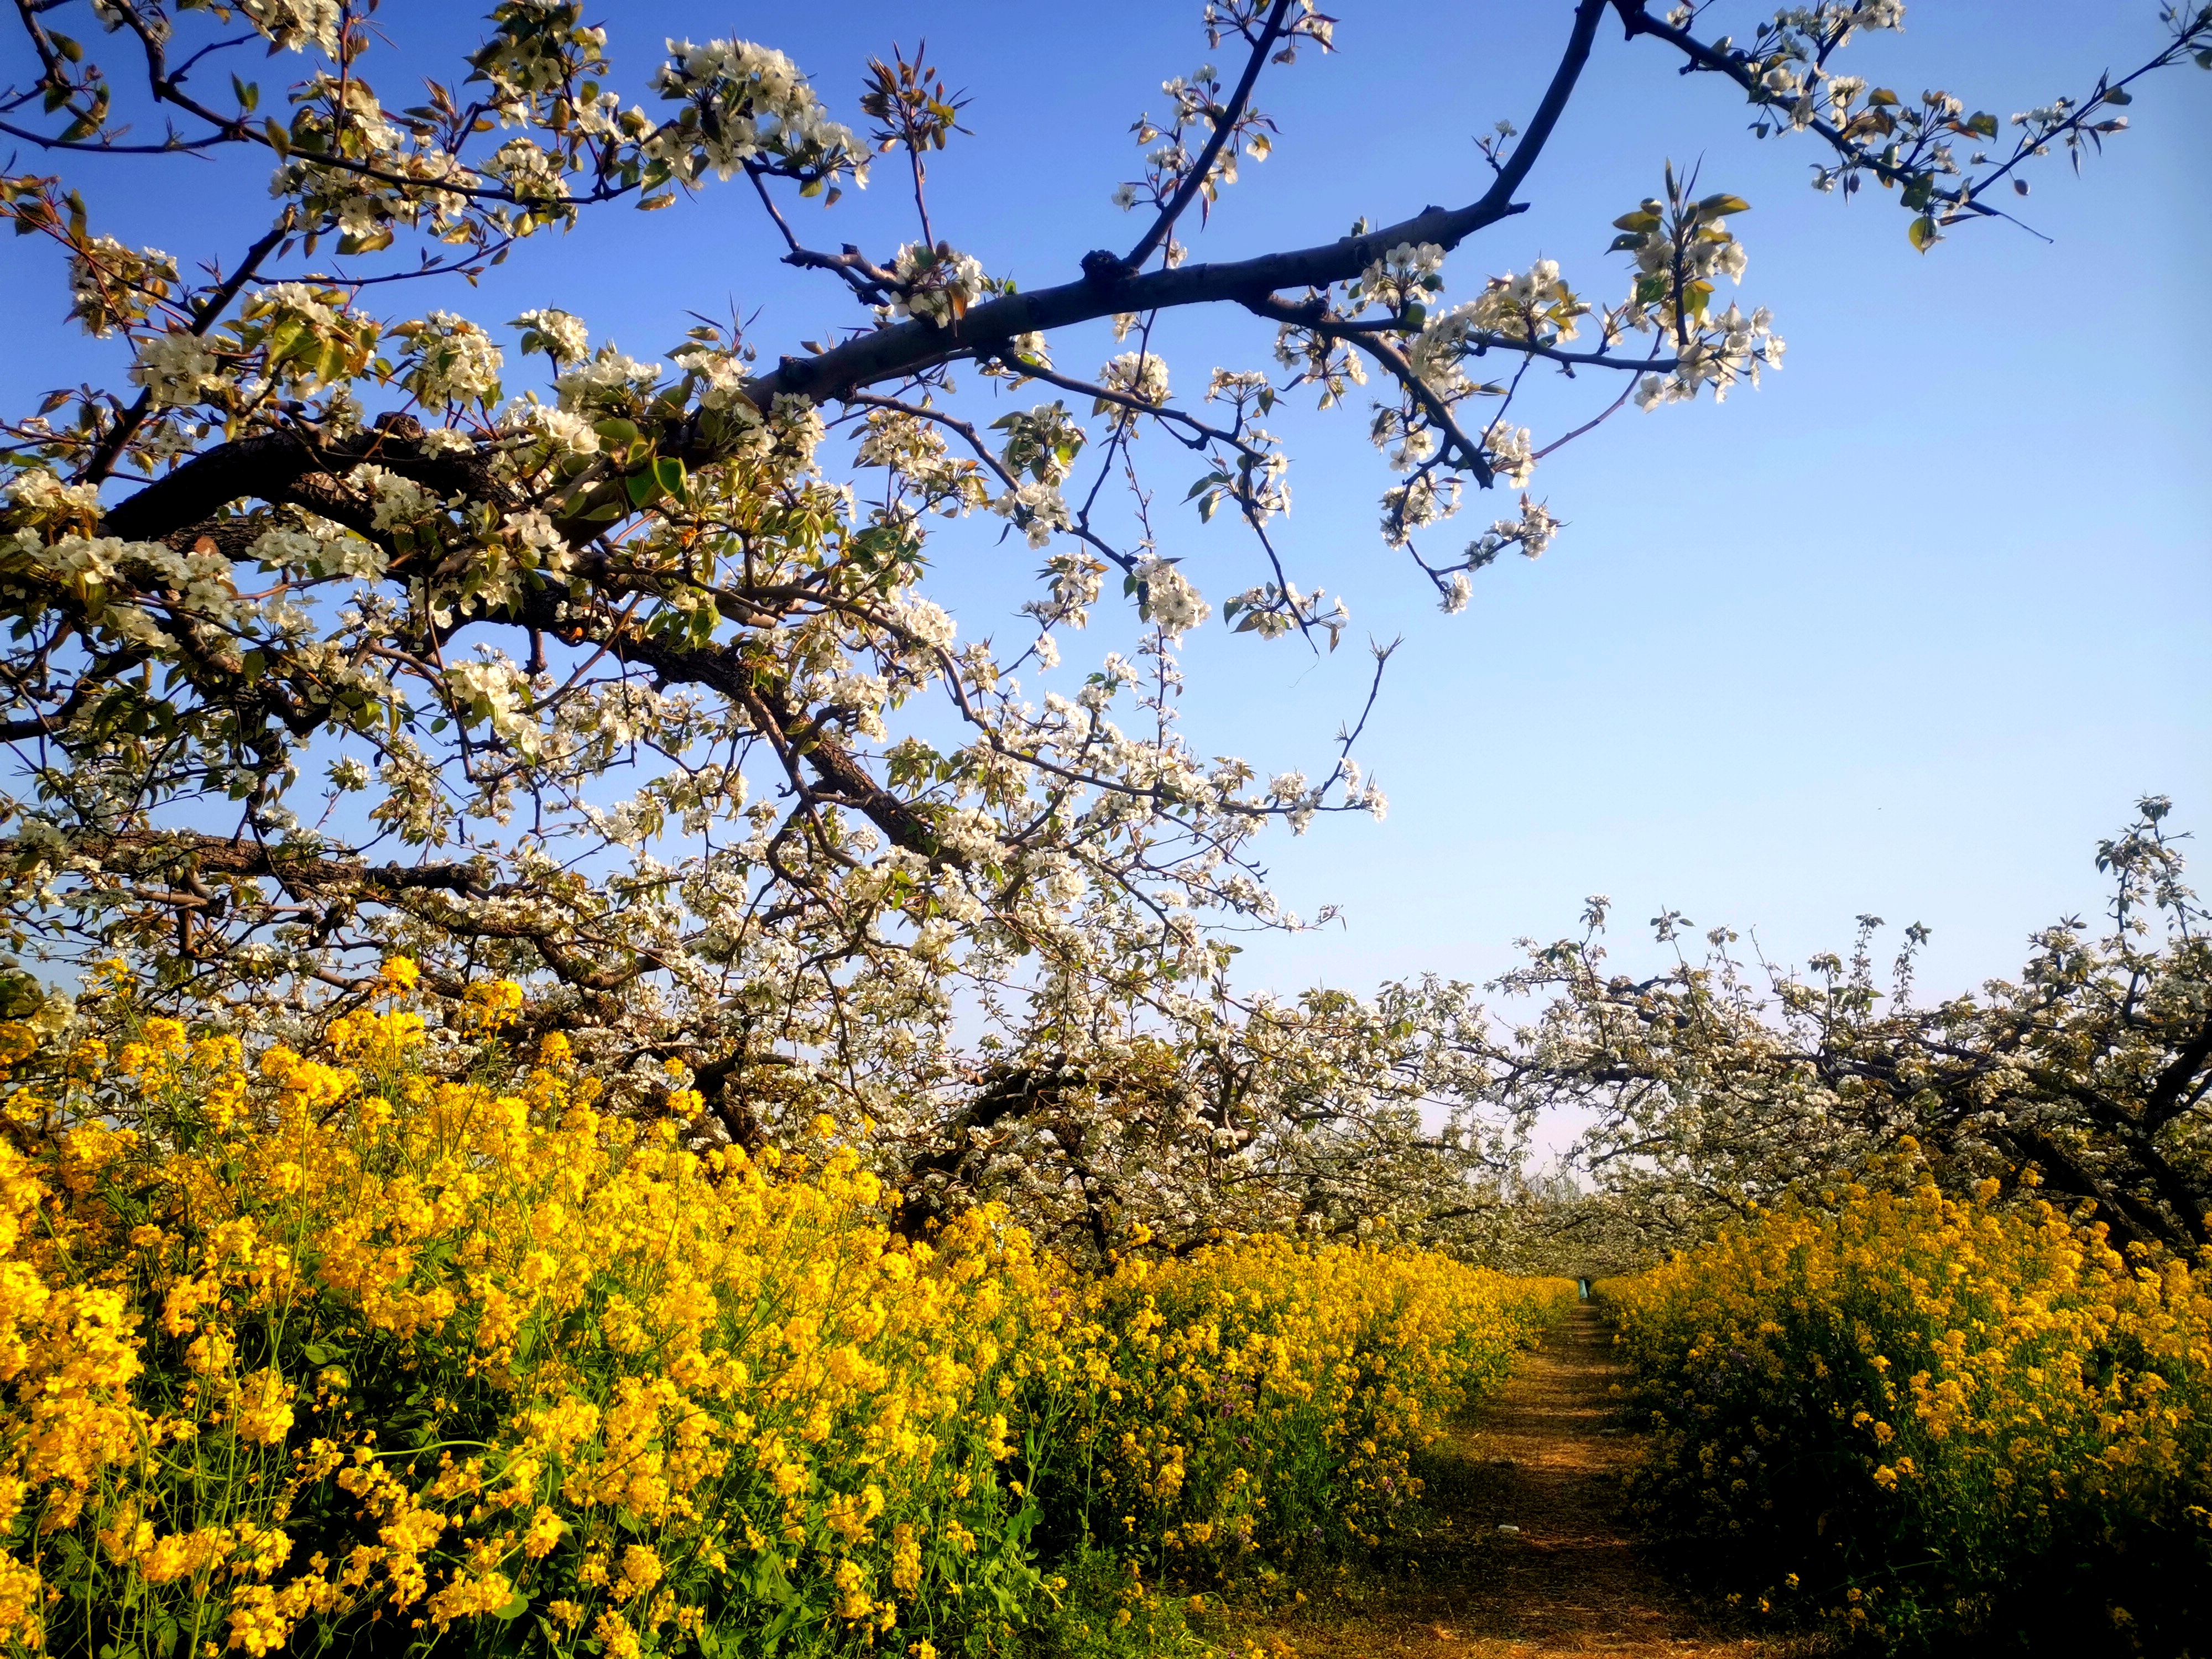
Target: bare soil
[(1544, 1457)]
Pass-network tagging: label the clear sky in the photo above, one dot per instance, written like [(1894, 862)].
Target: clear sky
[(1905, 631)]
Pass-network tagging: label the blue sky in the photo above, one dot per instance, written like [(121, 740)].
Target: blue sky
[(1905, 631)]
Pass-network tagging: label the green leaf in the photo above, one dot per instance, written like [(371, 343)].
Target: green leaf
[(513, 1607), (1717, 206), (1924, 233), (769, 1582), (1639, 220)]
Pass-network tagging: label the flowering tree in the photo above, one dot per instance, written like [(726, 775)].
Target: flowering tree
[(1719, 1085), (323, 644)]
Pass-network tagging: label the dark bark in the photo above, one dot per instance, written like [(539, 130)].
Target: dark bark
[(1007, 1091)]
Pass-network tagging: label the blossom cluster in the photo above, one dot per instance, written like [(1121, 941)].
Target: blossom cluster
[(1170, 600), (1141, 375), (451, 360), (1533, 305), (1682, 248), (937, 284), (743, 102)]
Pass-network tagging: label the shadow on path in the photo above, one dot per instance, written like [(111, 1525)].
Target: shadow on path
[(1543, 1458)]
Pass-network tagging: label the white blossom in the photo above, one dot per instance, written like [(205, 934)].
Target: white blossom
[(608, 380), (113, 286), (1037, 509), (926, 621), (175, 368), (452, 360), (1139, 374), (493, 689), (742, 101), (297, 23), (1170, 602), (38, 497), (558, 431), (561, 336), (937, 284)]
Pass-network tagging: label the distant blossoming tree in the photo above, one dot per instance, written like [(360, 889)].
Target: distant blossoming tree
[(1717, 1085), (341, 621)]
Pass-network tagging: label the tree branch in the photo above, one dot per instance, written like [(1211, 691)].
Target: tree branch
[(1225, 128)]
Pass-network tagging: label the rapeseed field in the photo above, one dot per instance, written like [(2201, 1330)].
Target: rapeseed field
[(325, 1350), (1916, 1418)]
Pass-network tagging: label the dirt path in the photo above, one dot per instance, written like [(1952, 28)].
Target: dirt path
[(1543, 1458)]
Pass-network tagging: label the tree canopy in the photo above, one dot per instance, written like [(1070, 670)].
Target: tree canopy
[(344, 624)]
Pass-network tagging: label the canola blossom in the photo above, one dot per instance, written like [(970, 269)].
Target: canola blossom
[(390, 1338), (1924, 1418)]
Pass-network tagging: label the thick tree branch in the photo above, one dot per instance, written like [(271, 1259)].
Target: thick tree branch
[(330, 873), (893, 352), (258, 466)]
